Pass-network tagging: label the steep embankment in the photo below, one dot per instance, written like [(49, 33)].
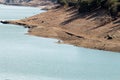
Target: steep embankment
[(94, 30)]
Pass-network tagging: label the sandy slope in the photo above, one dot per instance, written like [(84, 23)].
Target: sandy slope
[(96, 30)]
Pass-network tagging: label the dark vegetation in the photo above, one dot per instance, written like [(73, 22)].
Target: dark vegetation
[(112, 7)]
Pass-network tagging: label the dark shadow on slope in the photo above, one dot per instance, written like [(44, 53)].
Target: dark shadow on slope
[(72, 18), (70, 9), (92, 16), (117, 22), (73, 12), (114, 28), (73, 15), (96, 12), (100, 16), (101, 22)]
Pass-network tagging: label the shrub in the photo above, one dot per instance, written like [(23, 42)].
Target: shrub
[(112, 6)]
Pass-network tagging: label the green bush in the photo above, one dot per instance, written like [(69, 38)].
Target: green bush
[(113, 6), (114, 9)]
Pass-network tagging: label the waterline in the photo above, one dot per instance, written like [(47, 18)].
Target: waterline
[(25, 57)]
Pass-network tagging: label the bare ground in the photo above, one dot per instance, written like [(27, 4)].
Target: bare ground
[(95, 30)]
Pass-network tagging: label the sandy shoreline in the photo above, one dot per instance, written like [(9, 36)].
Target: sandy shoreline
[(80, 30)]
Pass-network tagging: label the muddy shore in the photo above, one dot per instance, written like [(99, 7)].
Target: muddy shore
[(89, 30)]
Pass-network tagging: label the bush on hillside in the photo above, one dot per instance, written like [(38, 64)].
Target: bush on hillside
[(112, 6)]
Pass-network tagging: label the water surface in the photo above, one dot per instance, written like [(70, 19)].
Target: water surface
[(24, 57)]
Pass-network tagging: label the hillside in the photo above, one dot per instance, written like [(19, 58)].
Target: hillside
[(95, 30), (34, 3), (90, 24)]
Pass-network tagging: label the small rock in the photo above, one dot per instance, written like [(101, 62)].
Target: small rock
[(108, 37)]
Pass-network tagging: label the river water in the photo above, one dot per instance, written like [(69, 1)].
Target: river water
[(25, 57)]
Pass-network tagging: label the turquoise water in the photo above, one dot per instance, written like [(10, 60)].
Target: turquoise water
[(24, 57)]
